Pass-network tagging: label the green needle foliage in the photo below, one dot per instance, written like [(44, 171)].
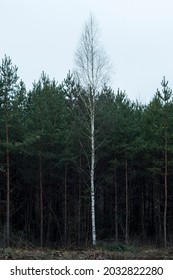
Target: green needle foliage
[(45, 165)]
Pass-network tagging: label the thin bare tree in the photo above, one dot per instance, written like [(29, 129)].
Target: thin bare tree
[(92, 71)]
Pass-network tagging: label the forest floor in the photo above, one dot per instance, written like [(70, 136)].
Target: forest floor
[(133, 253)]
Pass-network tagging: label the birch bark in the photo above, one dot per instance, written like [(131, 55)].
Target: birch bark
[(92, 73)]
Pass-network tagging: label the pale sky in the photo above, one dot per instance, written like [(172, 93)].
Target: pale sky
[(42, 35)]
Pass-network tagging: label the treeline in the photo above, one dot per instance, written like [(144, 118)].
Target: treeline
[(45, 164)]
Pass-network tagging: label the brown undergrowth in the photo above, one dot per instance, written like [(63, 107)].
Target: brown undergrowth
[(86, 254)]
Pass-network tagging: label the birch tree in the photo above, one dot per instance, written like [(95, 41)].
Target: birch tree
[(92, 71)]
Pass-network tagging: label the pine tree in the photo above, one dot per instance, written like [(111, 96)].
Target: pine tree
[(165, 98), (8, 87)]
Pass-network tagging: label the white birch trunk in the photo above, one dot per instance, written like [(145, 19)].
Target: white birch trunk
[(92, 181), (92, 72)]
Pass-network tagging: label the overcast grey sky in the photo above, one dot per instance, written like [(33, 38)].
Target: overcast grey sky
[(42, 35)]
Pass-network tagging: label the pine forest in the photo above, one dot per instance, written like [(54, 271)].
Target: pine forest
[(81, 163)]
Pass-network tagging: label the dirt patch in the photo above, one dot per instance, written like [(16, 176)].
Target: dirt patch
[(87, 254)]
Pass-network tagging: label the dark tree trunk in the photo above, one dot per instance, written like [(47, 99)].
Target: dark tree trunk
[(116, 207), (127, 203), (166, 192), (143, 215), (41, 198), (79, 201), (8, 189), (65, 206)]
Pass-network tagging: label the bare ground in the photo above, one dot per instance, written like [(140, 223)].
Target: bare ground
[(86, 254)]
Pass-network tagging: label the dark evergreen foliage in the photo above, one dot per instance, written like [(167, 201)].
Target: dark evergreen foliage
[(49, 166)]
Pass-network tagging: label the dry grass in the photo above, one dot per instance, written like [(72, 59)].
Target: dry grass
[(86, 254)]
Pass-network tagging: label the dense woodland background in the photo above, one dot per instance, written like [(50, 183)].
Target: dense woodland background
[(45, 167)]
